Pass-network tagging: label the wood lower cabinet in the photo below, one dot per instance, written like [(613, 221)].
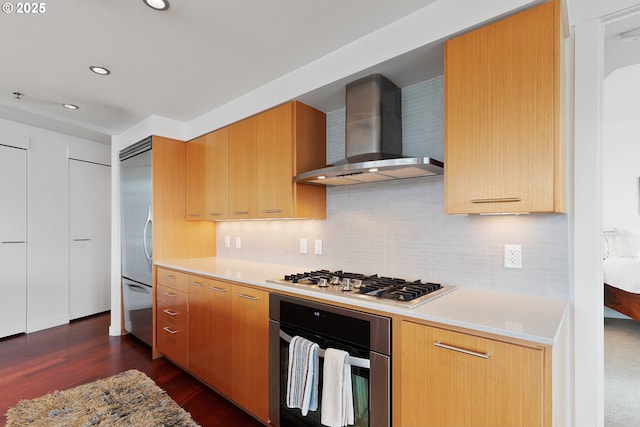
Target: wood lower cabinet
[(446, 378), (198, 308), (172, 321), (250, 350), (219, 337), (504, 145)]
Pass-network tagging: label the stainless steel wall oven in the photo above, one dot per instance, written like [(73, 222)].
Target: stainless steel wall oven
[(365, 337)]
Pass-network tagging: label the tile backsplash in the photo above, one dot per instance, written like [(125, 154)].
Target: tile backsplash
[(398, 228)]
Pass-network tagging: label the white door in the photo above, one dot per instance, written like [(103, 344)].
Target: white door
[(89, 232), (13, 240)]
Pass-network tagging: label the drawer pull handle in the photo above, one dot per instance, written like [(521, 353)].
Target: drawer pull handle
[(497, 200), (241, 212), (194, 215), (213, 288), (461, 350), (167, 329), (252, 298), (169, 294), (194, 283), (171, 276), (272, 211), (171, 313)]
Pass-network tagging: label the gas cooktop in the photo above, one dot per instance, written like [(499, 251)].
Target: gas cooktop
[(387, 290)]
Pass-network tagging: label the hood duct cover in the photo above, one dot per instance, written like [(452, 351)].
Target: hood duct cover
[(373, 139)]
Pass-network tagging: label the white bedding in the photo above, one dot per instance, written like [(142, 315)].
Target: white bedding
[(623, 273)]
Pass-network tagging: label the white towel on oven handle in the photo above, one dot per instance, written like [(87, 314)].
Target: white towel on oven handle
[(337, 390), (302, 375)]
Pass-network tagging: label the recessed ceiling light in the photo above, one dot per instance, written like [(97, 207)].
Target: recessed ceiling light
[(157, 4), (100, 70), (71, 106)]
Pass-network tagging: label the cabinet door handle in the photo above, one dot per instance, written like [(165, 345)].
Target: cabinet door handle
[(194, 283), (252, 298), (193, 215), (171, 313), (497, 200), (81, 240), (11, 242), (215, 213), (241, 212), (171, 331), (461, 350), (169, 294), (213, 288), (272, 211)]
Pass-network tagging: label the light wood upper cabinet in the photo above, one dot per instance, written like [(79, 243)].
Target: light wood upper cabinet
[(291, 140), (195, 179), (504, 145), (217, 174), (242, 169), (449, 379)]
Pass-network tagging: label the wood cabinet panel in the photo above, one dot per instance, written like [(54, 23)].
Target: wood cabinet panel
[(250, 350), (172, 279), (275, 162), (217, 174), (489, 383), (220, 337), (195, 181), (242, 169), (172, 341), (504, 148), (199, 326)]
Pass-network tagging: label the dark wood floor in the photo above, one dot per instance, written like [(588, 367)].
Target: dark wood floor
[(35, 364)]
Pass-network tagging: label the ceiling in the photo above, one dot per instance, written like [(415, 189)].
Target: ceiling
[(179, 63)]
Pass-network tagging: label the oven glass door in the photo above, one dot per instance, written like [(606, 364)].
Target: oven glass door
[(292, 417)]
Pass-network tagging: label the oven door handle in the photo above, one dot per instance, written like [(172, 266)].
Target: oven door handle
[(353, 361)]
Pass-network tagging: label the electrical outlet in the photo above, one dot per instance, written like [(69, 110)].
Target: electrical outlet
[(303, 246), (238, 242), (317, 248), (513, 256), (227, 241)]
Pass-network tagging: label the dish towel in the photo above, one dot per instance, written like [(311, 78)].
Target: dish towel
[(337, 390), (302, 376)]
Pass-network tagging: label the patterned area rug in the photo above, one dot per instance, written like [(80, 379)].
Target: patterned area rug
[(127, 399)]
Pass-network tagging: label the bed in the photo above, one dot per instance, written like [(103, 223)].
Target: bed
[(621, 268)]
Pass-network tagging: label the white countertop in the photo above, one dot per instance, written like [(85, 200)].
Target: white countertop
[(531, 318)]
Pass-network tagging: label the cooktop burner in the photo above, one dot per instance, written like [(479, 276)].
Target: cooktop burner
[(389, 290)]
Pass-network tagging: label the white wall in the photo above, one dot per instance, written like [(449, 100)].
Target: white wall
[(48, 219)]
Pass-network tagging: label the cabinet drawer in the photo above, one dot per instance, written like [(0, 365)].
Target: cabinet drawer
[(172, 298), (173, 315), (172, 341), (172, 279)]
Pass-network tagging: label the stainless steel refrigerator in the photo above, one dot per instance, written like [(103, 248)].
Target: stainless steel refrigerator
[(136, 226)]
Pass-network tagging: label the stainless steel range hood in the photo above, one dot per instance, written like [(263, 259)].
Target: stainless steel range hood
[(373, 139)]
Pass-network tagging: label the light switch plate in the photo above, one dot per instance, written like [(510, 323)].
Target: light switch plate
[(303, 246), (238, 242), (227, 241), (317, 247)]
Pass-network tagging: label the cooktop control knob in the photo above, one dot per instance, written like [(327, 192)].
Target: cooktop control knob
[(322, 283), (346, 285)]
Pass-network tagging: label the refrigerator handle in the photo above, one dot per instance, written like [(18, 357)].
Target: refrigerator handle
[(148, 222)]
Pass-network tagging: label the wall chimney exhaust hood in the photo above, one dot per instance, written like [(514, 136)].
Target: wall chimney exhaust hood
[(373, 139)]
